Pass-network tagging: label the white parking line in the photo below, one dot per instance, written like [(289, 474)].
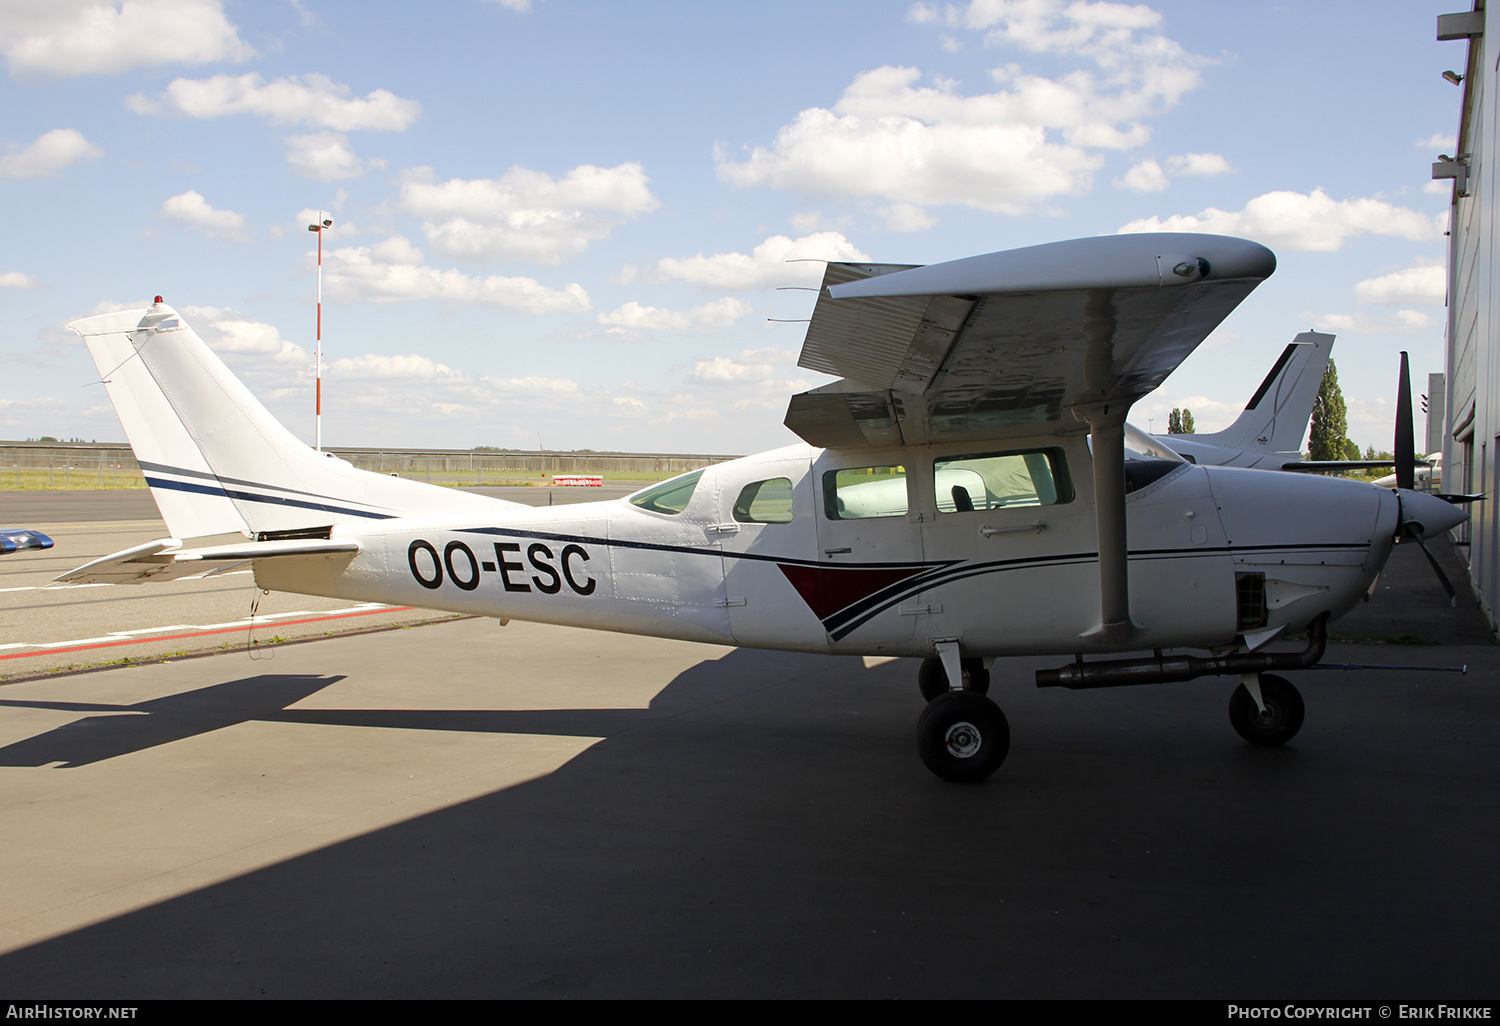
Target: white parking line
[(263, 619)]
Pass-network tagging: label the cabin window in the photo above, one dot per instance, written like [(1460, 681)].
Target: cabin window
[(863, 492), (765, 502), (996, 480), (670, 497)]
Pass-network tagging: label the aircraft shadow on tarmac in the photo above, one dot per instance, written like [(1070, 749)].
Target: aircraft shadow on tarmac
[(125, 729), (763, 829)]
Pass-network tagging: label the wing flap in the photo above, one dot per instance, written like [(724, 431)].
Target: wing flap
[(166, 560)]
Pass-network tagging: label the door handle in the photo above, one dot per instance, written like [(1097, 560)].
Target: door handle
[(1038, 527), (836, 552)]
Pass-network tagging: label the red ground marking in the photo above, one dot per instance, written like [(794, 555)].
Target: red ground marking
[(200, 634)]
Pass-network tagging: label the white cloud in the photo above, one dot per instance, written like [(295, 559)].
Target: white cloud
[(192, 209), (1303, 221), (749, 365), (230, 332), (1152, 412), (1422, 284), (1401, 322), (700, 320), (765, 267), (519, 6), (1147, 176), (313, 100), (18, 280), (524, 214), (81, 37), (1203, 165), (50, 153), (412, 367), (323, 157), (1438, 141), (1410, 286), (1101, 29), (907, 217), (1005, 151), (396, 271)]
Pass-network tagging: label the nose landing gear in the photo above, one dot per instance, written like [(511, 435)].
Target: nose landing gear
[(1281, 718)]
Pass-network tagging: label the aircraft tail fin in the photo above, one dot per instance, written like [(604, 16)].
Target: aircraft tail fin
[(215, 459), (1276, 417)]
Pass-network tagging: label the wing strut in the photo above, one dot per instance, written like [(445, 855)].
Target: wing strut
[(1107, 428)]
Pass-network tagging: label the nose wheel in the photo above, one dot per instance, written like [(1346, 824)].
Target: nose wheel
[(962, 736), (1281, 718)]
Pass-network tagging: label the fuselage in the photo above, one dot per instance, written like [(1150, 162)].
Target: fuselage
[(883, 553)]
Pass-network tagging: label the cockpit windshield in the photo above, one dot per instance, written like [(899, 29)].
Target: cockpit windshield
[(670, 497), (1141, 446)]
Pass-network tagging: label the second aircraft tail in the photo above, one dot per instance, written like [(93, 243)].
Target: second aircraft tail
[(1275, 418)]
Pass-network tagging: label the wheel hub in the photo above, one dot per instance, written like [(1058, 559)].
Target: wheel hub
[(1270, 719), (962, 740)]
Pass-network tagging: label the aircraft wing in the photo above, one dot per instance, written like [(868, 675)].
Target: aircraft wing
[(166, 559), (1010, 343)]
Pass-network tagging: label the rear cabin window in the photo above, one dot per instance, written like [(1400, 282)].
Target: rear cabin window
[(670, 497), (997, 480), (860, 493), (765, 502)]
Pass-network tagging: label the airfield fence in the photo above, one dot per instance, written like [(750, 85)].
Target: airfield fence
[(31, 466)]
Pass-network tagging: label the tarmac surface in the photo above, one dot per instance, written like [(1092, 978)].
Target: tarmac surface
[(465, 810)]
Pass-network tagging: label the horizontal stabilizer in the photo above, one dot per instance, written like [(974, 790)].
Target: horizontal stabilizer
[(166, 560), (1326, 466)]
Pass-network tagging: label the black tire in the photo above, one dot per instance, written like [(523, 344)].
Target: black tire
[(1282, 718), (932, 679), (963, 737)]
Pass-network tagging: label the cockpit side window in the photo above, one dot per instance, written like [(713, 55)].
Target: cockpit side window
[(670, 497), (765, 502), (860, 493)]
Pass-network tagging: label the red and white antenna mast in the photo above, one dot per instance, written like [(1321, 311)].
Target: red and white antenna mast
[(320, 226)]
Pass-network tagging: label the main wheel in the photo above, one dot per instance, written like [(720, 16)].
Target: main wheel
[(933, 679), (1282, 718), (963, 736)]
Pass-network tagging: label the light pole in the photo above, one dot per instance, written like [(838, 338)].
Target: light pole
[(319, 227)]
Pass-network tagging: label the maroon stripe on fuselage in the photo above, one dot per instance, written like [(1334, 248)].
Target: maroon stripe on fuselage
[(827, 589)]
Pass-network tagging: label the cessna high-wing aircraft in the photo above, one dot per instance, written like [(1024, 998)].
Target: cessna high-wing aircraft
[(1268, 432), (968, 490)]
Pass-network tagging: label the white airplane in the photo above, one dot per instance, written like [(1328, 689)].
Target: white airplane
[(1268, 433), (969, 490), (1427, 479)]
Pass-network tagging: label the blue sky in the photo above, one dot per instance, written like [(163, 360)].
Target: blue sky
[(564, 223)]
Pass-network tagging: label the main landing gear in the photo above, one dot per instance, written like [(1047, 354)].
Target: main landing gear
[(932, 679), (962, 736)]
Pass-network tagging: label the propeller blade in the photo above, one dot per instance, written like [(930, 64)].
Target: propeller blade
[(1406, 446), (1442, 577), (1459, 499)]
